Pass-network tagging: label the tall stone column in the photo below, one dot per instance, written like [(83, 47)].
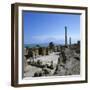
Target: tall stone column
[(70, 41), (65, 36)]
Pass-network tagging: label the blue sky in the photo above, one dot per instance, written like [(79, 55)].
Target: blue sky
[(47, 27)]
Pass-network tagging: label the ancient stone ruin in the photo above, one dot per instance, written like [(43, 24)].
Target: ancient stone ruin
[(58, 60)]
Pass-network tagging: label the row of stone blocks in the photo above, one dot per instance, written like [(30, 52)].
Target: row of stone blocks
[(35, 52)]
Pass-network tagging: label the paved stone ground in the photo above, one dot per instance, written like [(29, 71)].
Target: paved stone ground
[(30, 70)]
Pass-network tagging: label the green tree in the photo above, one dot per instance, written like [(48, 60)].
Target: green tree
[(51, 45), (38, 45)]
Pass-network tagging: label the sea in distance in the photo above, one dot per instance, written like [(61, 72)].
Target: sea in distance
[(41, 45)]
